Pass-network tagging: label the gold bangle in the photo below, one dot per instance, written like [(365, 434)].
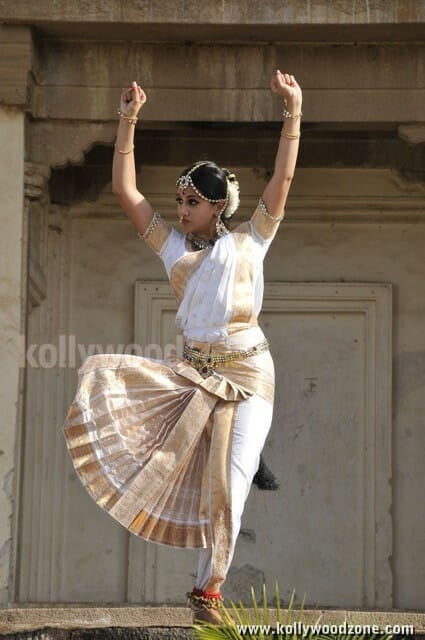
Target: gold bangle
[(129, 119), (124, 152), (288, 114), (290, 136)]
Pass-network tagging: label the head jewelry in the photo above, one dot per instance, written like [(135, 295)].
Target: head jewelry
[(232, 190)]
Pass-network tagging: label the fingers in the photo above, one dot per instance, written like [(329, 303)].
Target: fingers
[(283, 78), (134, 93)]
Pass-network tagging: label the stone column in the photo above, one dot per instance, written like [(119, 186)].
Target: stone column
[(12, 323)]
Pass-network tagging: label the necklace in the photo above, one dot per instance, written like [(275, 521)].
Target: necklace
[(200, 243)]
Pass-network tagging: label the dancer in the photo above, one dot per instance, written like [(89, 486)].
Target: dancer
[(169, 447)]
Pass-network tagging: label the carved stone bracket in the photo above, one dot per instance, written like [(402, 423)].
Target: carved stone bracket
[(36, 176), (35, 204), (58, 143), (413, 133)]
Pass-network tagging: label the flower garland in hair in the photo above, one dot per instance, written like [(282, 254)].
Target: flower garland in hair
[(232, 197)]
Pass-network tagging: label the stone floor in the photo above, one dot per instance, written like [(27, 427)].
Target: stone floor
[(116, 633), (71, 622)]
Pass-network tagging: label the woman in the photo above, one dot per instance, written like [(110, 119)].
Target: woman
[(169, 447)]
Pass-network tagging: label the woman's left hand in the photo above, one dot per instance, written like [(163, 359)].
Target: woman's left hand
[(286, 85)]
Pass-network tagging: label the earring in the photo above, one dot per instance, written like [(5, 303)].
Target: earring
[(220, 228)]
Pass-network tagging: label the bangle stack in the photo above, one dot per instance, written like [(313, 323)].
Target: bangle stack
[(290, 136), (128, 119), (288, 114)]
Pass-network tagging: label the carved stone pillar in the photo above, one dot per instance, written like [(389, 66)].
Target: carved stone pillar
[(12, 323), (42, 454)]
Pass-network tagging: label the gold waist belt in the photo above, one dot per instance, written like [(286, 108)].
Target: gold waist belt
[(205, 362)]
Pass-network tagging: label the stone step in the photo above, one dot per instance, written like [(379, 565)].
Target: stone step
[(82, 622)]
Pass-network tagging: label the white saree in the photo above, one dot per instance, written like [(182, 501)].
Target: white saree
[(151, 439)]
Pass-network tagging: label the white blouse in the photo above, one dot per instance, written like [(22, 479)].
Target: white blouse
[(207, 304)]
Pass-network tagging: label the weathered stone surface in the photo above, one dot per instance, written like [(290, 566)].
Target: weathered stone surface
[(151, 633), (216, 21), (217, 12), (173, 630), (16, 55), (42, 141), (166, 633), (231, 105), (42, 634), (229, 66), (230, 83), (12, 281), (95, 617), (241, 580)]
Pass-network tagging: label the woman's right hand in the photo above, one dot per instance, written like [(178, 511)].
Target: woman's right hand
[(132, 100)]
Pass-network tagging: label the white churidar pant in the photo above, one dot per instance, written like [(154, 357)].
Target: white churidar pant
[(252, 424)]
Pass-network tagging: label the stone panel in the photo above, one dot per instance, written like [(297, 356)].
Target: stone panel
[(230, 83), (329, 524), (230, 66)]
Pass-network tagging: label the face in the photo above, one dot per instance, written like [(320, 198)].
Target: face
[(197, 215)]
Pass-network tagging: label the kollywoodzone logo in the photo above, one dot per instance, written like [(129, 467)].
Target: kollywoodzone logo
[(68, 353), (343, 630)]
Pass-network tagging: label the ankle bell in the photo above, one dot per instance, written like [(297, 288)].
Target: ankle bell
[(205, 599)]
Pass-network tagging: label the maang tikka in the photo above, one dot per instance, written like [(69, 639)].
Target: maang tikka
[(184, 182)]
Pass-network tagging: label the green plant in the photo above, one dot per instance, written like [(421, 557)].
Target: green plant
[(241, 624)]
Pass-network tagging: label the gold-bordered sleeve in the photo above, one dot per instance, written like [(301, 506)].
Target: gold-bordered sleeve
[(263, 223), (157, 233)]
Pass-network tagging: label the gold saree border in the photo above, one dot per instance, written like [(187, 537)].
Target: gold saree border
[(243, 299), (158, 236), (183, 268), (266, 226)]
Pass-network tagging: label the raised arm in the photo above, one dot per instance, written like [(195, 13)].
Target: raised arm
[(124, 187), (277, 189)]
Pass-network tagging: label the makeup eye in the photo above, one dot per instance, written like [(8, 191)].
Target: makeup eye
[(191, 201)]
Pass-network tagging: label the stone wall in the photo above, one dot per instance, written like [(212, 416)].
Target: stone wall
[(342, 226), (355, 215)]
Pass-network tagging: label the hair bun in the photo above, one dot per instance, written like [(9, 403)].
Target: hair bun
[(232, 194), (228, 173)]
